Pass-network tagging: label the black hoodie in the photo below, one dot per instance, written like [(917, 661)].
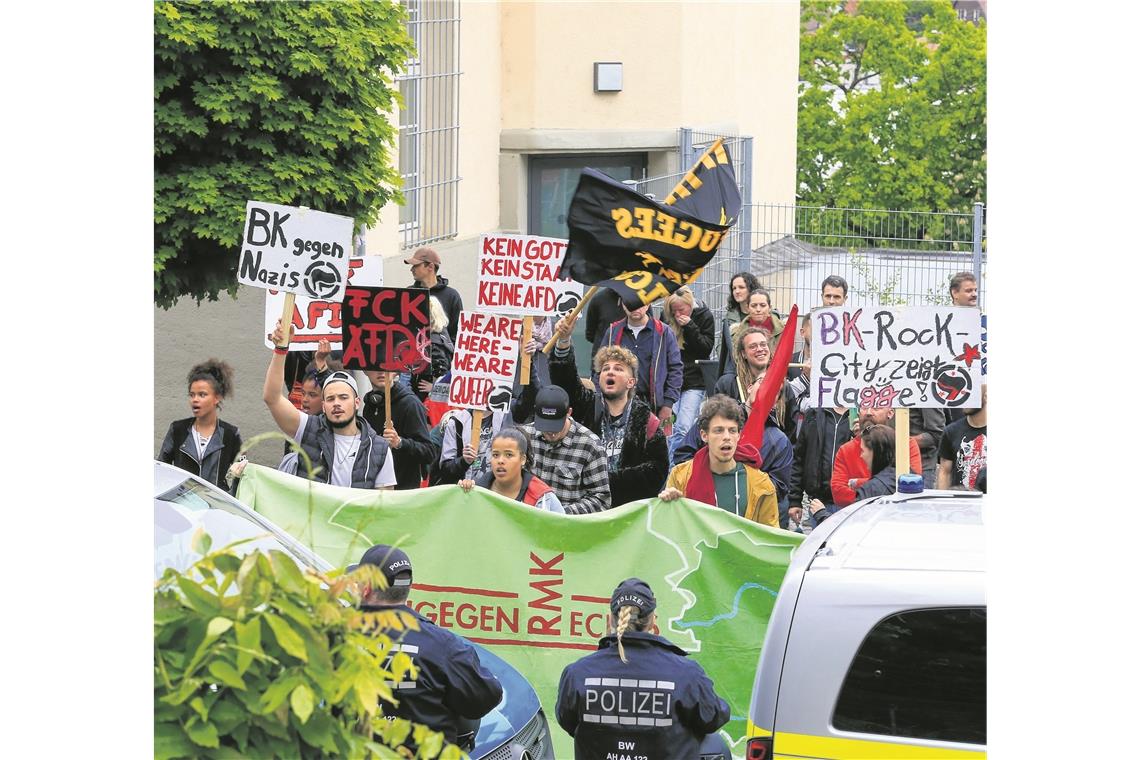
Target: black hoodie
[(416, 452), (449, 299)]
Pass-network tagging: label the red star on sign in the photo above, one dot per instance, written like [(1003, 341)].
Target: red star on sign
[(969, 353)]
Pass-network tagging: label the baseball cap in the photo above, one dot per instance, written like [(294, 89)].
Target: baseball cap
[(550, 407), (633, 591), (427, 255), (340, 376), (392, 562)]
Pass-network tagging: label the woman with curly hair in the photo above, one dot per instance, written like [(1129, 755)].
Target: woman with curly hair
[(203, 444)]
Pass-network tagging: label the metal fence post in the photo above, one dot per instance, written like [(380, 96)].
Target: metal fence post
[(978, 243)]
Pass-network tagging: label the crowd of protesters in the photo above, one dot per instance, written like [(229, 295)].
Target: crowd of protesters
[(648, 422)]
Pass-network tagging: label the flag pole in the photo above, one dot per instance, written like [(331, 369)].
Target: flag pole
[(589, 294)]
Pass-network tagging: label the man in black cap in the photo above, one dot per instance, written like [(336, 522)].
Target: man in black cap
[(450, 691), (566, 455), (425, 268), (656, 703)]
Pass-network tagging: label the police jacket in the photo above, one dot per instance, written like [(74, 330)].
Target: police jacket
[(450, 683), (658, 706)]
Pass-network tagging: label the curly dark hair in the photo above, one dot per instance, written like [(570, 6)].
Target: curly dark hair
[(749, 280), (217, 373), (722, 406)]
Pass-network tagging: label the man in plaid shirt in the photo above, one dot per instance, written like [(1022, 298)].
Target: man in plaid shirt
[(566, 455)]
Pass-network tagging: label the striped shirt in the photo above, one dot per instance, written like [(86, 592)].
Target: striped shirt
[(575, 467)]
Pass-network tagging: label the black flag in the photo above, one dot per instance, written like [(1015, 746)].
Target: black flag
[(642, 249)]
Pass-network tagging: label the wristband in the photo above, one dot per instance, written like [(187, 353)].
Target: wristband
[(279, 350)]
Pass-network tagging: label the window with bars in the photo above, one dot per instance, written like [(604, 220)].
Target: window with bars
[(429, 124)]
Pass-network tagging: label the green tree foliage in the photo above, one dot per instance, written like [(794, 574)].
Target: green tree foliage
[(255, 658), (283, 102), (891, 107)]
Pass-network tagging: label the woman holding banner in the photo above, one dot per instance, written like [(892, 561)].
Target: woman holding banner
[(509, 477), (203, 444)]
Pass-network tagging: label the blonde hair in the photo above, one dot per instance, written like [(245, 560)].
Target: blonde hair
[(682, 294), (438, 320), (615, 354), (629, 616)]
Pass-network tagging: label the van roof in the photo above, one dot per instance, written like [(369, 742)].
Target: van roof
[(937, 531)]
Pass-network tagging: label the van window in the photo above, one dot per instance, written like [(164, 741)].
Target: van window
[(919, 674)]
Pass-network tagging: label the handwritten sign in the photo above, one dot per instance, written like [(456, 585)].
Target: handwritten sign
[(910, 356), (486, 355), (316, 319), (518, 275), (296, 250), (385, 329)]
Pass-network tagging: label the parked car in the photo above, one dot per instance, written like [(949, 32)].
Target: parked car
[(877, 642), (516, 729)]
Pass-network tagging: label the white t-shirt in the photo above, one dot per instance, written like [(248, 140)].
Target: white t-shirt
[(347, 447)]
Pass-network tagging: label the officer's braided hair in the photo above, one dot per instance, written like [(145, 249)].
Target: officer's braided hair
[(629, 616)]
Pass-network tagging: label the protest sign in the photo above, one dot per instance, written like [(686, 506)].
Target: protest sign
[(899, 357), (295, 250), (316, 319), (486, 355), (544, 600), (518, 275), (385, 329)]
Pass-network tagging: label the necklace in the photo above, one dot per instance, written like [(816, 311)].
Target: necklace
[(348, 450), (202, 441)]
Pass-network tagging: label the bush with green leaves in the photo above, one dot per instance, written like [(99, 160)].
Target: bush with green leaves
[(279, 102), (256, 658)]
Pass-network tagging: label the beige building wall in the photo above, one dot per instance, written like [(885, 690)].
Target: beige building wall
[(527, 88)]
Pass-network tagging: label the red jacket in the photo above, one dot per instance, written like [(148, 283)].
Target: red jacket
[(849, 464), (534, 489)]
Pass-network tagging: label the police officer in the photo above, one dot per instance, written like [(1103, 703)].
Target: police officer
[(655, 704), (451, 691)]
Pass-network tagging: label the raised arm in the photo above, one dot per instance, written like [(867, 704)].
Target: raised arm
[(287, 416)]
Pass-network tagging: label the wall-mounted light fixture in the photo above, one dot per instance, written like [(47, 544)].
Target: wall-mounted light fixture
[(607, 76)]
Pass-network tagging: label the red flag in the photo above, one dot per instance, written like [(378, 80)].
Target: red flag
[(753, 434)]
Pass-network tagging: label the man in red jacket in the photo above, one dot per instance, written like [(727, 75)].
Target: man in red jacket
[(849, 471)]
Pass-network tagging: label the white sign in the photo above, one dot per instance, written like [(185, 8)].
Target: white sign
[(909, 356), (315, 319), (518, 274), (296, 250), (486, 356)]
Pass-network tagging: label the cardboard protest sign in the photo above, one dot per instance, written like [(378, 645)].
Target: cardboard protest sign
[(296, 250), (899, 357), (385, 329), (316, 319), (518, 275), (486, 355)]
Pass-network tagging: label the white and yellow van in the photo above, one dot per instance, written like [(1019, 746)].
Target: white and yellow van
[(876, 649)]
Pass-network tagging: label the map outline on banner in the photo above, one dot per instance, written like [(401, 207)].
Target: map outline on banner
[(917, 357)]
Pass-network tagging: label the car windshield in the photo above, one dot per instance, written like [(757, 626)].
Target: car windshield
[(196, 496)]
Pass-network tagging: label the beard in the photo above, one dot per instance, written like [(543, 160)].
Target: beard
[(342, 424)]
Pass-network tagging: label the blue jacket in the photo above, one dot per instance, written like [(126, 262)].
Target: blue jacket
[(659, 705), (451, 683), (660, 371)]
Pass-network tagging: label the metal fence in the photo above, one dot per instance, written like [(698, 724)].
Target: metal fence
[(429, 124), (887, 257)]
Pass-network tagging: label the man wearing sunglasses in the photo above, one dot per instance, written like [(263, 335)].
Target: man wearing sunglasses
[(343, 447)]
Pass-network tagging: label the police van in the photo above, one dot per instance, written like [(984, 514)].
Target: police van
[(876, 647)]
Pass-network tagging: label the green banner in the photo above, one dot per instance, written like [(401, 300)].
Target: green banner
[(534, 586)]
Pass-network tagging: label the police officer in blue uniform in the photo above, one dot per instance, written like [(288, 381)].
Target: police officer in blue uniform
[(655, 704), (451, 690)]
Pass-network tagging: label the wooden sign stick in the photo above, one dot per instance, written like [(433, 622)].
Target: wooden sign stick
[(902, 443), (524, 357), (476, 428), (388, 399), (287, 319), (581, 305)]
